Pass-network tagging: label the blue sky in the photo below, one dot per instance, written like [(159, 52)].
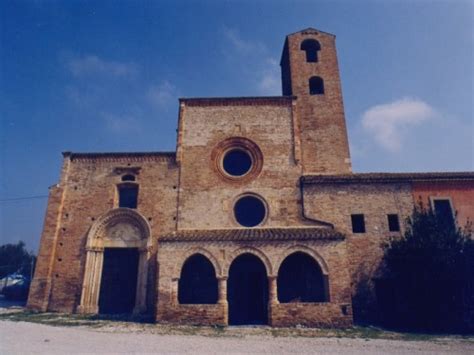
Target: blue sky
[(106, 76)]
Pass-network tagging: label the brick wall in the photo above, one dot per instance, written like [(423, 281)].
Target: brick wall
[(335, 203), (206, 200), (87, 190)]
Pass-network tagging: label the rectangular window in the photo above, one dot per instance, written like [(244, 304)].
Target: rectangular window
[(358, 223), (393, 223), (128, 196), (442, 207)]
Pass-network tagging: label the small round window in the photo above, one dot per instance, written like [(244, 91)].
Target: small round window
[(236, 162), (250, 211)]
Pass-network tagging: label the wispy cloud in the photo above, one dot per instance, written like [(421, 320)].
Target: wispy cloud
[(388, 123), (240, 45), (120, 123), (163, 94), (94, 65), (254, 59), (269, 81)]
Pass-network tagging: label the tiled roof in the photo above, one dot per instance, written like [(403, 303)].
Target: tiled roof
[(253, 234), (388, 177), (245, 100), (112, 155)]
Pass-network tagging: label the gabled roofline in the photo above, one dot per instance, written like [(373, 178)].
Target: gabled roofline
[(311, 29)]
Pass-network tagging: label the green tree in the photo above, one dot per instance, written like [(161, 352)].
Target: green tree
[(429, 279), (15, 258)]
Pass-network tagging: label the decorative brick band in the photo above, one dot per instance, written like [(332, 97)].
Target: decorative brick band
[(239, 101), (112, 156)]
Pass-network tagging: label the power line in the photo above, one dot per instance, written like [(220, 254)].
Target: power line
[(22, 198)]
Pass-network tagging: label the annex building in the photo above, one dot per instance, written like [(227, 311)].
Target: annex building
[(256, 217)]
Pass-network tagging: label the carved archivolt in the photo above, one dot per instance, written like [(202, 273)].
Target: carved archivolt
[(303, 249), (120, 227)]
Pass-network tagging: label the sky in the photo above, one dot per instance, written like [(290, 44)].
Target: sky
[(100, 76)]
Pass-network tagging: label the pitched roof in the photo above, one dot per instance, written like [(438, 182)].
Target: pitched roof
[(389, 177), (252, 234), (311, 29)]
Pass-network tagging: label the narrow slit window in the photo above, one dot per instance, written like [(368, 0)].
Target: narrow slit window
[(358, 223), (128, 196), (393, 223)]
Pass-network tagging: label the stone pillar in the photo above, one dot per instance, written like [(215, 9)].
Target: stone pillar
[(91, 284), (272, 298), (272, 290), (174, 291), (222, 287), (142, 279), (222, 299)]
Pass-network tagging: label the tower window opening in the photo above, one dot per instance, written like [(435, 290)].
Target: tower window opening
[(311, 47), (316, 86)]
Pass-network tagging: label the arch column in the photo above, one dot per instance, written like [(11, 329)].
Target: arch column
[(272, 290), (142, 279), (222, 289), (91, 285), (174, 290)]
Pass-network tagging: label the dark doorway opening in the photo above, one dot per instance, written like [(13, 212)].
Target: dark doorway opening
[(247, 291), (119, 281), (300, 280), (198, 283)]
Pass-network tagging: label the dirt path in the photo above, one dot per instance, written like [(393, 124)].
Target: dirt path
[(22, 337)]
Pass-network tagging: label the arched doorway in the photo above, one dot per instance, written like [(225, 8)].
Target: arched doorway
[(115, 275), (247, 291), (118, 284), (197, 283), (300, 279)]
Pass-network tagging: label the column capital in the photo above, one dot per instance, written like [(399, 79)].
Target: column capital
[(222, 278), (95, 248)]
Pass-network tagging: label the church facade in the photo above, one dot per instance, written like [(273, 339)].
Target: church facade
[(256, 218)]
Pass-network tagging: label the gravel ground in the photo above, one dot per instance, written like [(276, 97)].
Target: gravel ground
[(22, 337)]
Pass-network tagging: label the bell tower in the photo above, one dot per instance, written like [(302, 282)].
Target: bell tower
[(310, 71)]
